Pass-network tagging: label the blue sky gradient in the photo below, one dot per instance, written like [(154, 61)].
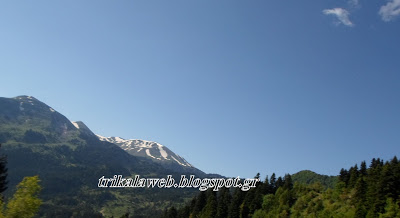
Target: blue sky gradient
[(234, 87)]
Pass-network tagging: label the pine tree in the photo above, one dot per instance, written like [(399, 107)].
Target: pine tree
[(395, 168), (245, 206), (360, 190), (375, 199), (359, 198), (224, 200), (237, 199), (373, 163), (265, 187), (288, 184), (210, 209), (353, 176), (259, 191), (279, 182), (363, 169), (344, 176), (386, 183), (253, 199), (272, 183), (201, 201)]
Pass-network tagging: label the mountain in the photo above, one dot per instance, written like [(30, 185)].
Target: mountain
[(26, 112), (69, 159), (310, 177), (155, 152)]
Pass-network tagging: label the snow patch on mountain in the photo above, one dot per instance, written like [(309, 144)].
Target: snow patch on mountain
[(75, 124), (144, 148), (120, 140), (102, 138), (20, 106), (163, 153), (178, 161), (186, 163)]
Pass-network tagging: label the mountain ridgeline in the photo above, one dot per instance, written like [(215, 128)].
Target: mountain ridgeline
[(155, 152), (69, 159)]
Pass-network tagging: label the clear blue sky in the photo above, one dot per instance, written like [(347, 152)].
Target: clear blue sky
[(235, 87)]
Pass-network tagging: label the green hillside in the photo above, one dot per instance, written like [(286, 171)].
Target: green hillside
[(309, 177)]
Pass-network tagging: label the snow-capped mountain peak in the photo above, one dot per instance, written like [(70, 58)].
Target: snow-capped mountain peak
[(153, 150)]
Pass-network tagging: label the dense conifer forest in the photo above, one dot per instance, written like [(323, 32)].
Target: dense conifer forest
[(360, 191)]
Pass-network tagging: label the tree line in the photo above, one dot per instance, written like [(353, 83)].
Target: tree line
[(361, 191)]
